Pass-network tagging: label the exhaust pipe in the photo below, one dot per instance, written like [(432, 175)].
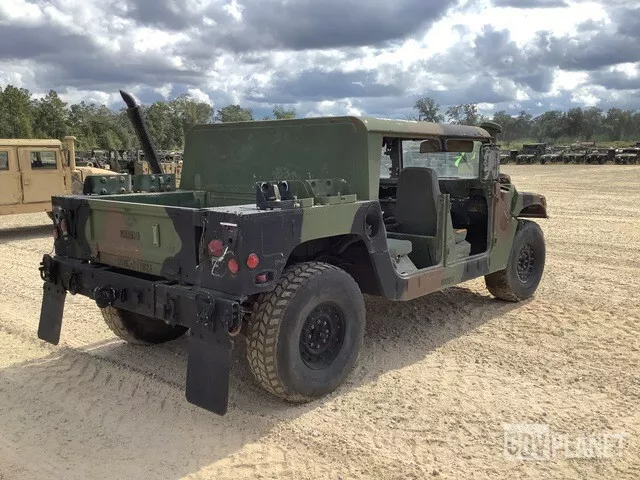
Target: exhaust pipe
[(140, 127)]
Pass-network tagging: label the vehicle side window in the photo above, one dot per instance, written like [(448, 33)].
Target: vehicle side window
[(43, 160), (4, 161)]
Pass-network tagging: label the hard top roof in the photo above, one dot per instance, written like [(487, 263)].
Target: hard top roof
[(20, 142), (371, 124)]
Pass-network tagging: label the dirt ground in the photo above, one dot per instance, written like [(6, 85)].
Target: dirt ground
[(438, 379)]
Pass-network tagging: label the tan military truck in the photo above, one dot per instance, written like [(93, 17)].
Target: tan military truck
[(34, 170)]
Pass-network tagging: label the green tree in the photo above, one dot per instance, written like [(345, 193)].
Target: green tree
[(573, 122), (16, 113), (281, 114), (591, 123), (465, 114), (50, 117), (428, 110), (233, 113), (508, 124), (549, 126)]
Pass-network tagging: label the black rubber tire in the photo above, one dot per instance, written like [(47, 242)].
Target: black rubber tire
[(505, 284), (140, 329), (274, 331)]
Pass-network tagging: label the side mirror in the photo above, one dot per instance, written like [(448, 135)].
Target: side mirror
[(490, 163)]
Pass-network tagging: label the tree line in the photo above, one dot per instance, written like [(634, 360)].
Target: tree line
[(553, 126), (99, 127)]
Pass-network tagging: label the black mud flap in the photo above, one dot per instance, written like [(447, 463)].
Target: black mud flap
[(53, 299), (208, 372)]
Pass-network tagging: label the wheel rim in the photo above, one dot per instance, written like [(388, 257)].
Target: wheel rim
[(322, 336), (525, 267)]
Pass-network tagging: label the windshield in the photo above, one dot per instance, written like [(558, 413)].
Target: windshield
[(446, 164)]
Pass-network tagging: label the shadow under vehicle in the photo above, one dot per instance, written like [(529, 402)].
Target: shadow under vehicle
[(276, 232)]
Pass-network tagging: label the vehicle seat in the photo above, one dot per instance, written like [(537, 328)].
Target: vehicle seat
[(398, 247), (416, 208)]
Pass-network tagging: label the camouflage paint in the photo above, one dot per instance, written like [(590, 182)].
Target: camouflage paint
[(148, 252)]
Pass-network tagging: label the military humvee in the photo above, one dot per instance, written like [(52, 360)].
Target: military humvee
[(34, 170), (508, 155), (278, 229), (553, 155), (531, 153), (600, 155), (627, 156)]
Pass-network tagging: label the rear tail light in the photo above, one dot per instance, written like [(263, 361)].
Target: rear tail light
[(252, 261), (216, 248), (233, 266)]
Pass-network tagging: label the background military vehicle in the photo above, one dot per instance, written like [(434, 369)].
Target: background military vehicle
[(531, 153), (507, 156), (34, 170), (576, 154), (600, 155), (278, 229), (627, 156), (170, 163), (553, 155)]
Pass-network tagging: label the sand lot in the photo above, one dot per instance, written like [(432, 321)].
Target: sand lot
[(437, 380)]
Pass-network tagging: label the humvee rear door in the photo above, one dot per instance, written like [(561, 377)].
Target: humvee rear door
[(42, 173), (9, 178)]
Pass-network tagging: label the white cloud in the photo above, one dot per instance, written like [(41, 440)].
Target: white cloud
[(158, 50)]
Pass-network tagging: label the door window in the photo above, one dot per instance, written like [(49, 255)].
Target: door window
[(43, 160), (4, 161)]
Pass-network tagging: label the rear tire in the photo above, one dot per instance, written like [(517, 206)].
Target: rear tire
[(140, 329), (520, 279), (304, 337)]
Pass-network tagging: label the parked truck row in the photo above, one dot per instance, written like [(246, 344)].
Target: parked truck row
[(577, 153)]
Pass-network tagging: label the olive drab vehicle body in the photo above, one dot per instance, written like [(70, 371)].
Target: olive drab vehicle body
[(34, 170), (531, 153), (507, 156), (277, 230), (553, 155), (627, 156)]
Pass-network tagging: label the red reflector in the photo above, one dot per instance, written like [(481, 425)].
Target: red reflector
[(233, 266), (216, 248), (252, 261), (261, 278)]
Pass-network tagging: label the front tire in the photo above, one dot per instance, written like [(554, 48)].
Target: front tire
[(140, 329), (304, 337), (520, 279)]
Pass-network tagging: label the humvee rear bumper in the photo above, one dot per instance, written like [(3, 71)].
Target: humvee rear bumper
[(212, 317)]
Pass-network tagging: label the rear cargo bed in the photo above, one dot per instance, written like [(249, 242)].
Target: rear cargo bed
[(155, 234)]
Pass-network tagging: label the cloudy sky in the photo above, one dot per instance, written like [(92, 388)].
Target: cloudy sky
[(328, 57)]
